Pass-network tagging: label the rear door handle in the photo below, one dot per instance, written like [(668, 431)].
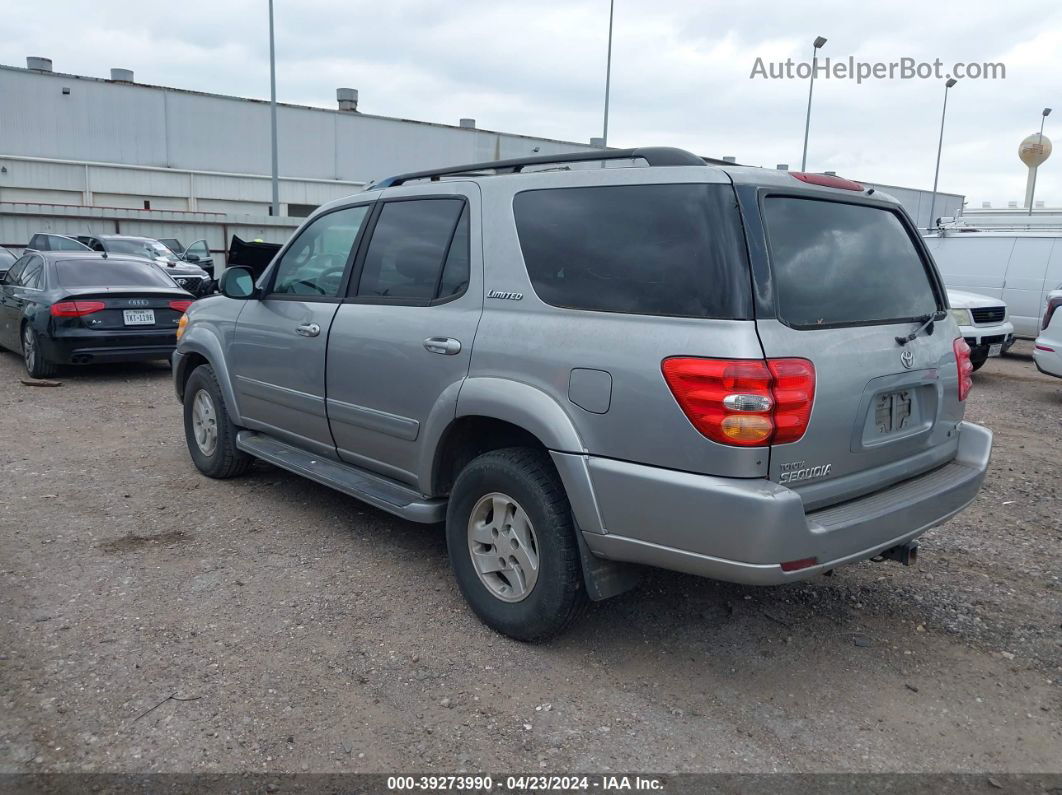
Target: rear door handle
[(308, 330), (447, 346)]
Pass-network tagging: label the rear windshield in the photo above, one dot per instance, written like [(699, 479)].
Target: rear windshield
[(837, 264), (640, 249), (110, 273)]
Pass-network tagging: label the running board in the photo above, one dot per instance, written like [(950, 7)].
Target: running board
[(380, 492)]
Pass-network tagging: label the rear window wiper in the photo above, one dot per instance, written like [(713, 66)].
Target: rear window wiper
[(926, 322)]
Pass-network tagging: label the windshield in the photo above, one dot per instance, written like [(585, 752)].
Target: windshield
[(838, 264), (152, 249)]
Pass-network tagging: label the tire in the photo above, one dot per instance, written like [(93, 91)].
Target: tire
[(208, 431), (37, 366), (524, 601)]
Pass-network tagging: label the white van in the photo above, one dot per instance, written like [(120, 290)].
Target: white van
[(1019, 267)]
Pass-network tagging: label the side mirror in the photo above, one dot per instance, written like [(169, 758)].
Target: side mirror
[(237, 283)]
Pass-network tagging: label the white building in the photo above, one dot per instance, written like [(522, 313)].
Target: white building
[(85, 154)]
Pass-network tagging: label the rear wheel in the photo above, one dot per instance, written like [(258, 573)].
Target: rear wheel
[(208, 431), (37, 365), (512, 545)]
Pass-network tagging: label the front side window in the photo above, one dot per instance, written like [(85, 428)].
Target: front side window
[(60, 243), (674, 250), (411, 244), (314, 264), (837, 264)]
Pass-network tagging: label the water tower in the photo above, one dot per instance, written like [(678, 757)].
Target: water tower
[(1033, 151)]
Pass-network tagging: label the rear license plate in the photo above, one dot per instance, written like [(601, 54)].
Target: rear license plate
[(892, 411), (995, 350), (139, 317)]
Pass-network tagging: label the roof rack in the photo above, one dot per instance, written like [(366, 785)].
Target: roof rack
[(653, 155)]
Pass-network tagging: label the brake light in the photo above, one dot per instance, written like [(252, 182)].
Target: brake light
[(180, 305), (964, 365), (827, 180), (1052, 305), (744, 402), (76, 308)]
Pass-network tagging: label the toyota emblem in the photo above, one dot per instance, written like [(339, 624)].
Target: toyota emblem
[(907, 358)]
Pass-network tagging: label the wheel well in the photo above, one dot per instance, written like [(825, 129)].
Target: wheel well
[(188, 365), (468, 437)]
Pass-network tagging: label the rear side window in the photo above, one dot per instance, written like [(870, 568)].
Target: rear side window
[(110, 273), (411, 244), (673, 250), (837, 264), (60, 243)]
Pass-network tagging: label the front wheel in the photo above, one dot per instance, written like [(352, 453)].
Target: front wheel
[(512, 545), (208, 431)]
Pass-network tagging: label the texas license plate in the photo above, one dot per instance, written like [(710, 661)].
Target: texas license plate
[(139, 317), (995, 350)]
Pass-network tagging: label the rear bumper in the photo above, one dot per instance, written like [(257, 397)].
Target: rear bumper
[(742, 530), (90, 347), (1048, 362)]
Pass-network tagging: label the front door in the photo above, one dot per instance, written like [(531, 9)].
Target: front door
[(401, 342), (278, 354)]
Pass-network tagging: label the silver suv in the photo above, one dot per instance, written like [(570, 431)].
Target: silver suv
[(598, 360)]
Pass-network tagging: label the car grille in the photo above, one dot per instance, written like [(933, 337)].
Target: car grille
[(989, 314), (190, 283)]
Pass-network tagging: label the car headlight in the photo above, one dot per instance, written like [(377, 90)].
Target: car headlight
[(962, 317)]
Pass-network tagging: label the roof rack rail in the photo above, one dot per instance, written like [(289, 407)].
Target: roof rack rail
[(653, 155)]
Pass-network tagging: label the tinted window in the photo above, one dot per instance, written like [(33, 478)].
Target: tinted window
[(151, 249), (31, 275), (409, 246), (641, 249), (110, 273), (837, 264), (315, 262), (455, 272), (60, 243), (39, 243), (16, 270)]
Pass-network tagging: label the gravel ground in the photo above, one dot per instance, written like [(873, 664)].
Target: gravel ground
[(155, 620)]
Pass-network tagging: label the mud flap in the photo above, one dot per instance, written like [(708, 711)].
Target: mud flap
[(605, 578)]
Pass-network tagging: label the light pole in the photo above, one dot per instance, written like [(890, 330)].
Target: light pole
[(1040, 141), (936, 172), (273, 111), (608, 74), (816, 45)]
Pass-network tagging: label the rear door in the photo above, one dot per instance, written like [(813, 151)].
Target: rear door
[(400, 345), (848, 278), (278, 355), (10, 303)]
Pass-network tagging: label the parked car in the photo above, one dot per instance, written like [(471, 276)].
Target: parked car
[(983, 324), (198, 253), (70, 307), (189, 276), (1047, 352), (735, 372), (45, 241), (7, 259), (1020, 268)]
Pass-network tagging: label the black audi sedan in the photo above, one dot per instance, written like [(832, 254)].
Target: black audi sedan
[(70, 307)]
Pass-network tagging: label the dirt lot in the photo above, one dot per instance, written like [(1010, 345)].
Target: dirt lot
[(155, 620)]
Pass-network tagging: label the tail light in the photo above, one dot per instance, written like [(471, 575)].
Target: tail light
[(1052, 305), (180, 305), (76, 308), (744, 402), (964, 365)]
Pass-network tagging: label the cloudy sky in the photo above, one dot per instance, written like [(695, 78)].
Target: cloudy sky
[(681, 72)]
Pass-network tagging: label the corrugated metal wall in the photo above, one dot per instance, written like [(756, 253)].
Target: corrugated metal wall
[(102, 121)]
